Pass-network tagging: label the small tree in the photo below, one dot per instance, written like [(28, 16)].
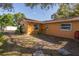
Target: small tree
[(2, 40), (63, 11), (19, 17), (6, 20), (2, 23), (76, 10)]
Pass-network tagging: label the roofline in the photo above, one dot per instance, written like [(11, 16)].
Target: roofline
[(52, 21), (31, 20), (61, 20)]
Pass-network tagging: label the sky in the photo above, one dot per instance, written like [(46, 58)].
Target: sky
[(35, 13)]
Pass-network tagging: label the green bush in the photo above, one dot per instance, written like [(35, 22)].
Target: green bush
[(19, 30), (1, 34), (1, 38), (39, 33)]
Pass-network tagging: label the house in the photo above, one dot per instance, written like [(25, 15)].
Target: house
[(30, 26), (59, 27), (62, 27)]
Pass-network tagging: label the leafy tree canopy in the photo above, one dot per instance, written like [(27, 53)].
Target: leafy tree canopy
[(67, 11), (18, 17)]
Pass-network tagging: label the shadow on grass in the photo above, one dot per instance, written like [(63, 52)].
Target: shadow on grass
[(71, 44), (25, 50), (51, 39)]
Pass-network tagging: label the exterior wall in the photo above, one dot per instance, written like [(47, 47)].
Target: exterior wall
[(54, 29), (25, 24), (42, 28), (29, 27)]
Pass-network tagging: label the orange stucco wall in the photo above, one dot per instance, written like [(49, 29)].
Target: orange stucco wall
[(42, 28), (29, 28), (25, 25), (54, 29)]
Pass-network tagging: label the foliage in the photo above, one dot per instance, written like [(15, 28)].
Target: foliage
[(1, 22), (1, 34), (63, 11), (18, 17), (7, 6), (11, 20), (41, 5), (19, 29), (5, 20), (76, 10), (8, 19), (66, 11), (2, 41)]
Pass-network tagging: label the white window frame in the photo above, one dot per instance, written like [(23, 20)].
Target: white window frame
[(37, 26), (46, 27), (66, 29)]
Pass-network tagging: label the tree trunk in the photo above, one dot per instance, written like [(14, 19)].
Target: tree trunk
[(2, 30)]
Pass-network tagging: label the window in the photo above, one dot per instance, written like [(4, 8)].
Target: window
[(46, 27), (36, 27), (66, 26)]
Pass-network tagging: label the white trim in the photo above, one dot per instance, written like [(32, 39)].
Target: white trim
[(66, 29), (37, 26), (46, 27)]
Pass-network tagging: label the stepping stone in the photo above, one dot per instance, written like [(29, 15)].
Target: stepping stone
[(10, 42), (64, 52), (38, 53)]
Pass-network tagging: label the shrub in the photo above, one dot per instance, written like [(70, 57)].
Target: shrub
[(39, 33), (1, 39), (19, 30), (1, 34)]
